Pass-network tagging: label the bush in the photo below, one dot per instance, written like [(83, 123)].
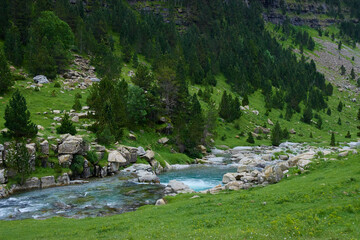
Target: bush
[(77, 105), (250, 138), (78, 95), (57, 85), (92, 157), (77, 165), (105, 136), (66, 126), (348, 135)]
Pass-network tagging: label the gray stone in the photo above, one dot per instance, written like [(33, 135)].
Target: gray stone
[(44, 146), (40, 79), (179, 187), (284, 157), (31, 183), (132, 137), (95, 80), (3, 178), (65, 160), (149, 155), (63, 180), (228, 177), (72, 145), (163, 140), (116, 157), (140, 151), (48, 181), (235, 185), (343, 154), (273, 174), (160, 202), (75, 119)]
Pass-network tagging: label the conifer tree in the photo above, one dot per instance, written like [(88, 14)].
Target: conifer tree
[(342, 70), (12, 46), (332, 142), (245, 101), (276, 135), (135, 60), (352, 74), (339, 121), (328, 112), (17, 117), (5, 75), (77, 105), (348, 135), (250, 138), (18, 159), (358, 115), (307, 115), (340, 106), (66, 126), (319, 123)]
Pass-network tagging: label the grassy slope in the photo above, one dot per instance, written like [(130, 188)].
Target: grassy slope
[(322, 204)]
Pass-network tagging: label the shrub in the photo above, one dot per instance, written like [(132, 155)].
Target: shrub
[(66, 126), (77, 105), (78, 95), (105, 136), (57, 85), (92, 157), (250, 138), (77, 165)]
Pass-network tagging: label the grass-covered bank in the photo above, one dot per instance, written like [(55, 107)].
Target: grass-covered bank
[(321, 204)]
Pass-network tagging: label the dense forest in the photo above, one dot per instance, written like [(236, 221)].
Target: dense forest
[(226, 37)]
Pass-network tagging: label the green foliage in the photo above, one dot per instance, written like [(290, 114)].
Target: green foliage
[(348, 135), (245, 101), (107, 63), (352, 74), (5, 75), (319, 122), (136, 104), (92, 157), (229, 108), (340, 106), (276, 135), (328, 112), (78, 95), (143, 77), (57, 85), (77, 165), (332, 141), (250, 138), (339, 121), (77, 105), (342, 70), (17, 117), (18, 159), (66, 126), (48, 48), (105, 136), (12, 47), (307, 115), (135, 60)]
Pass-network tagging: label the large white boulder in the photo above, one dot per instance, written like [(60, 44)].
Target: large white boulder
[(40, 79)]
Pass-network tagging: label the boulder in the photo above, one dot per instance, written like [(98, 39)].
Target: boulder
[(129, 153), (203, 149), (31, 183), (228, 177), (65, 160), (235, 185), (304, 156), (292, 131), (132, 137), (48, 181), (160, 202), (3, 178), (273, 174), (63, 180), (75, 119), (283, 166), (148, 177), (140, 151), (270, 122), (283, 157), (44, 147), (302, 163), (149, 155), (163, 140), (40, 79), (72, 145), (98, 148), (343, 154), (116, 157), (179, 187), (95, 80)]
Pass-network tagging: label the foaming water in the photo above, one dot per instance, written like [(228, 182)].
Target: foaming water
[(198, 177), (98, 198)]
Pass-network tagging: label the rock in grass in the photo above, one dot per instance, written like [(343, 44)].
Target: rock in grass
[(40, 79), (160, 202)]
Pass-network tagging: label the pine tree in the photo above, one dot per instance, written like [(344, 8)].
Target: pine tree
[(340, 106), (332, 142), (352, 74), (307, 115), (66, 126), (358, 115), (348, 135), (276, 135), (12, 46), (245, 101), (17, 117), (77, 105), (311, 135), (250, 138), (135, 60), (18, 159), (342, 70), (339, 121), (328, 112), (319, 123), (5, 75)]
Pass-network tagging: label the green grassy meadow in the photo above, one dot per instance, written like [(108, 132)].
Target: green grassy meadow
[(323, 203)]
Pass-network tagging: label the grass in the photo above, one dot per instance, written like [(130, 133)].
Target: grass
[(320, 204)]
